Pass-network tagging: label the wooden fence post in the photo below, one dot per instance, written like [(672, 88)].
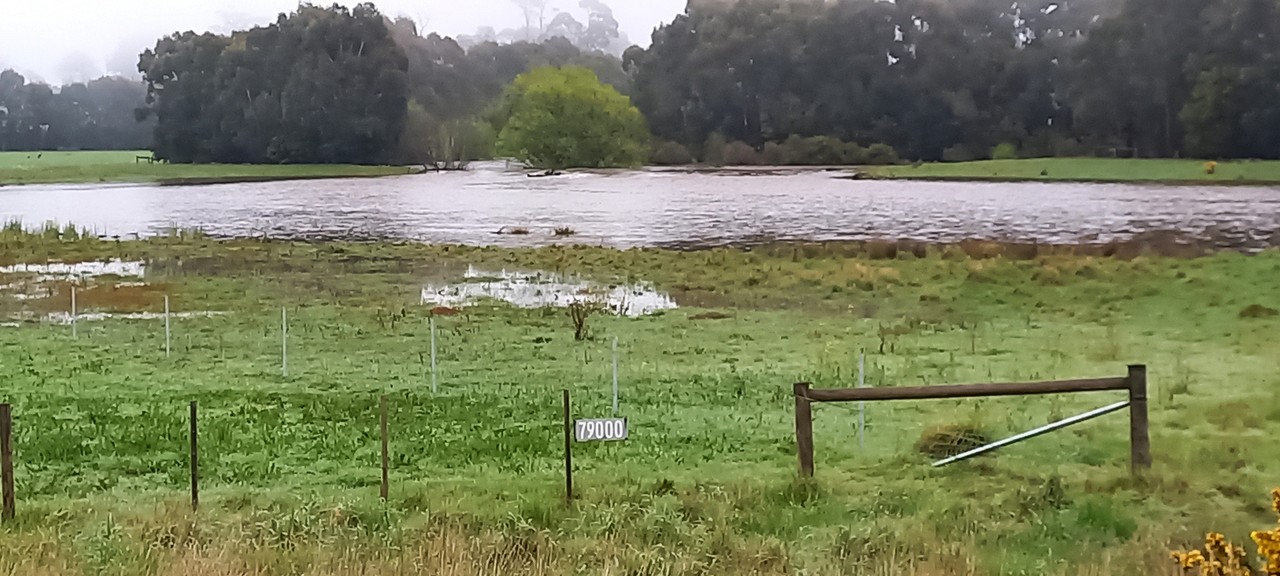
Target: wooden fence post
[(195, 459), (386, 487), (568, 451), (6, 462), (1139, 437), (804, 429)]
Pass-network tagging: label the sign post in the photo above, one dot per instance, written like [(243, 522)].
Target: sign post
[(568, 451)]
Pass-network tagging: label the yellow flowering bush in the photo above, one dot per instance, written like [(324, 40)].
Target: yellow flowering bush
[(1210, 167), (1222, 558)]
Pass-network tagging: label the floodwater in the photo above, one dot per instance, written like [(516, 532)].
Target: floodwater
[(543, 290), (662, 208)]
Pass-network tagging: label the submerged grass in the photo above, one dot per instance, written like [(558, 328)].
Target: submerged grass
[(705, 484), (97, 167), (1091, 169)]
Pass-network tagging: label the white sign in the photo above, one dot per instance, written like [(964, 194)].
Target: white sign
[(600, 430)]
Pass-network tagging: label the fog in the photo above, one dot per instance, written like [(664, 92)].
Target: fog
[(58, 41)]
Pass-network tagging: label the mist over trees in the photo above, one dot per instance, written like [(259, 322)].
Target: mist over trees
[(596, 31), (95, 115)]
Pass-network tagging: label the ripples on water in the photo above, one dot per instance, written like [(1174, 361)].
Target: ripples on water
[(663, 208)]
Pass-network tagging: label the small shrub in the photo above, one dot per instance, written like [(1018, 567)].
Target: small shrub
[(1004, 151), (951, 439), (1210, 168), (1258, 311), (740, 154), (881, 154), (1220, 557), (774, 154), (580, 311), (713, 150), (671, 154), (960, 153)]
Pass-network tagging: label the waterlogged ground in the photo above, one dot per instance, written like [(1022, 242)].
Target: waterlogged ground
[(706, 479), (663, 208)]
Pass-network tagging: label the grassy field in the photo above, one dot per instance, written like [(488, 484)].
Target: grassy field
[(1089, 169), (93, 167), (706, 483)]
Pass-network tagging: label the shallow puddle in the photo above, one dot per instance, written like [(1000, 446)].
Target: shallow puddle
[(43, 292), (544, 290), (66, 271), (65, 317)]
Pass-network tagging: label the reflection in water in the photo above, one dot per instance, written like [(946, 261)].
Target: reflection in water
[(663, 208), (543, 290)]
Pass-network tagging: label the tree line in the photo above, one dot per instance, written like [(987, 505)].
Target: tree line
[(95, 115), (727, 81), (966, 79)]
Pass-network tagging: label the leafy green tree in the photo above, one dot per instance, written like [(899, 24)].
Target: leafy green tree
[(558, 118)]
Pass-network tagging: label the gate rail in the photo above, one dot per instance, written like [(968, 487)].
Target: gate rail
[(1135, 383)]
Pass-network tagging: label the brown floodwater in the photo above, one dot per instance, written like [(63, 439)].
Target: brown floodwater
[(662, 208)]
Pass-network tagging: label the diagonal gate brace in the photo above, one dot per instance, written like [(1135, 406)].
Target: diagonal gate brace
[(1033, 433)]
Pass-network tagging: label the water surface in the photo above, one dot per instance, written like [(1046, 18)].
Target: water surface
[(661, 208)]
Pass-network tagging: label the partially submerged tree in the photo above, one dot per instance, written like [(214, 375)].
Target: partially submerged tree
[(555, 118)]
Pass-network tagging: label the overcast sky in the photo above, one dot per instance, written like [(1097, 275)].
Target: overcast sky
[(57, 41)]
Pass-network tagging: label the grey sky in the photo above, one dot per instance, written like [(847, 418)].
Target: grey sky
[(58, 41)]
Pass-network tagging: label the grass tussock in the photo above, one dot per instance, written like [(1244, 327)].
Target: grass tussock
[(949, 440)]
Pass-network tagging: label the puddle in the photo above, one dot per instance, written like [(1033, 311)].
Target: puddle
[(42, 292), (62, 271), (64, 318), (544, 290)]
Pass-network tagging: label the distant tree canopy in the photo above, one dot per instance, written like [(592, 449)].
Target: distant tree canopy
[(97, 115), (566, 118), (954, 79), (452, 88), (751, 81), (317, 86)]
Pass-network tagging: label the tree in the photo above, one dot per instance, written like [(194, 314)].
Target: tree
[(558, 118), (320, 85), (534, 12), (97, 115)]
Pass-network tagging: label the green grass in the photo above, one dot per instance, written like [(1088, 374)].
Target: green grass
[(706, 482), (95, 167), (1090, 170)]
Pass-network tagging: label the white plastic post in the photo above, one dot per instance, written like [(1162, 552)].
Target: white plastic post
[(74, 333), (862, 406), (166, 327), (284, 342), (615, 376), (435, 386)]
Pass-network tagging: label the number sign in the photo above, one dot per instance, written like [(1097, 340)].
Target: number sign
[(601, 430)]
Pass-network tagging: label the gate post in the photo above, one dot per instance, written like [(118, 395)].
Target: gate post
[(1139, 438), (804, 429)]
